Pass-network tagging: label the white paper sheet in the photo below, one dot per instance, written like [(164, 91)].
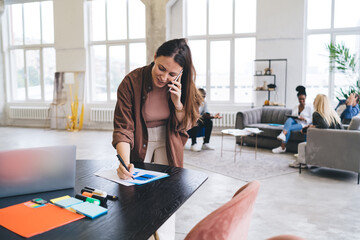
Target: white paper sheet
[(141, 176)]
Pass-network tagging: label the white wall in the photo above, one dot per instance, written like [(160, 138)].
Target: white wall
[(280, 34)]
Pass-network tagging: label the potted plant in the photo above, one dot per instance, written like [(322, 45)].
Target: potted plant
[(341, 60)]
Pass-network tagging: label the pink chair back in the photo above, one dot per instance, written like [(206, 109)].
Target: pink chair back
[(232, 220)]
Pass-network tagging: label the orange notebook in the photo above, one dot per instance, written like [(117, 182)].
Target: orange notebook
[(29, 219)]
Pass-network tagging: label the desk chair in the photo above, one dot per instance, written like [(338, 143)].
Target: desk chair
[(231, 221)]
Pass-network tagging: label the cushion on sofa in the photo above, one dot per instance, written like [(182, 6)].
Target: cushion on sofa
[(274, 115), (354, 124)]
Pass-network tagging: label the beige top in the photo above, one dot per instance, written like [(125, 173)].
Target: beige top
[(156, 107)]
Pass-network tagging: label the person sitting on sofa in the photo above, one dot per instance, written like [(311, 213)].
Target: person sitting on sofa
[(205, 121), (300, 117), (349, 108), (324, 117)]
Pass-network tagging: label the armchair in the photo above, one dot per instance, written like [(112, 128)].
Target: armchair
[(332, 148)]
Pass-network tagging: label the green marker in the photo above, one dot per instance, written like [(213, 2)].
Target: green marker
[(88, 199)]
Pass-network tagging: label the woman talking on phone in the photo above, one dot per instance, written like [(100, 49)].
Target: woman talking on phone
[(300, 117), (156, 105)]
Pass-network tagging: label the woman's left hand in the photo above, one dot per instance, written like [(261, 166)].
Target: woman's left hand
[(175, 93)]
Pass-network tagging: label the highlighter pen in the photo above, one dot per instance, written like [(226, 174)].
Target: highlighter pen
[(89, 194), (123, 163), (88, 199), (177, 77), (96, 191)]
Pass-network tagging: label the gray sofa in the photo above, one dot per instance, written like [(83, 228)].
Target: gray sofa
[(261, 118)]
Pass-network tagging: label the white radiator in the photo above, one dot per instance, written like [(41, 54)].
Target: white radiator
[(227, 120), (101, 114), (28, 112), (107, 115)]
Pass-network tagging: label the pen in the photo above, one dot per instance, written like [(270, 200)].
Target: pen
[(90, 194), (177, 77), (97, 191), (102, 193), (123, 163)]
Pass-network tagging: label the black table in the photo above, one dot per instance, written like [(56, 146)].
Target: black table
[(139, 212)]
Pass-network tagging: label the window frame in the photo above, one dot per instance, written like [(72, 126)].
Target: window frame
[(108, 43), (231, 37), (333, 32), (25, 47)]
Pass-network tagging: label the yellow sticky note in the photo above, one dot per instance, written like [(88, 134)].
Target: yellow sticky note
[(59, 198)]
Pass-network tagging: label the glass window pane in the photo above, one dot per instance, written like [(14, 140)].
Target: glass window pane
[(33, 74), (116, 19), (198, 53), (316, 21), (137, 55), (341, 80), (16, 24), (47, 17), (220, 70), (117, 68), (347, 13), (317, 67), (17, 74), (97, 20), (245, 16), (99, 83), (136, 19), (32, 23), (49, 63), (244, 69), (196, 17), (220, 16)]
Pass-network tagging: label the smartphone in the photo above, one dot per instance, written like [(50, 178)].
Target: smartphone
[(177, 77)]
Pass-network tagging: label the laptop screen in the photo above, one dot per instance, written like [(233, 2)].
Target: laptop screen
[(32, 170)]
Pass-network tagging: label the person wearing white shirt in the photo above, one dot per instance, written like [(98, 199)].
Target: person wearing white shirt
[(301, 116)]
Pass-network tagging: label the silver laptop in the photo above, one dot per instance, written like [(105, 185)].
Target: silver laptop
[(32, 170)]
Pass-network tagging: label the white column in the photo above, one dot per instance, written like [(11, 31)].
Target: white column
[(155, 26), (69, 35)]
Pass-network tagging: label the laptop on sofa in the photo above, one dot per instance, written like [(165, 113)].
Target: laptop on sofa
[(25, 171)]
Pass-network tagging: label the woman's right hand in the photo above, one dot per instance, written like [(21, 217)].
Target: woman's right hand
[(123, 173)]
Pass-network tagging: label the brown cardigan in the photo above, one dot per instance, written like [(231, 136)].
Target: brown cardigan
[(130, 126)]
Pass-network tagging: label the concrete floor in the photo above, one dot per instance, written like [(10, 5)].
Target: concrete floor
[(318, 204)]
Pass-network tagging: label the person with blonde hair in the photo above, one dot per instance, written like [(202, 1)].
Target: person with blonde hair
[(324, 115)]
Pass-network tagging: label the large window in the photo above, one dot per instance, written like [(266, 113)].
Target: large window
[(31, 51), (116, 44), (339, 23), (221, 35)]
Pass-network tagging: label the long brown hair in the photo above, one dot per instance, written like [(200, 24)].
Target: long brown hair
[(179, 50)]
